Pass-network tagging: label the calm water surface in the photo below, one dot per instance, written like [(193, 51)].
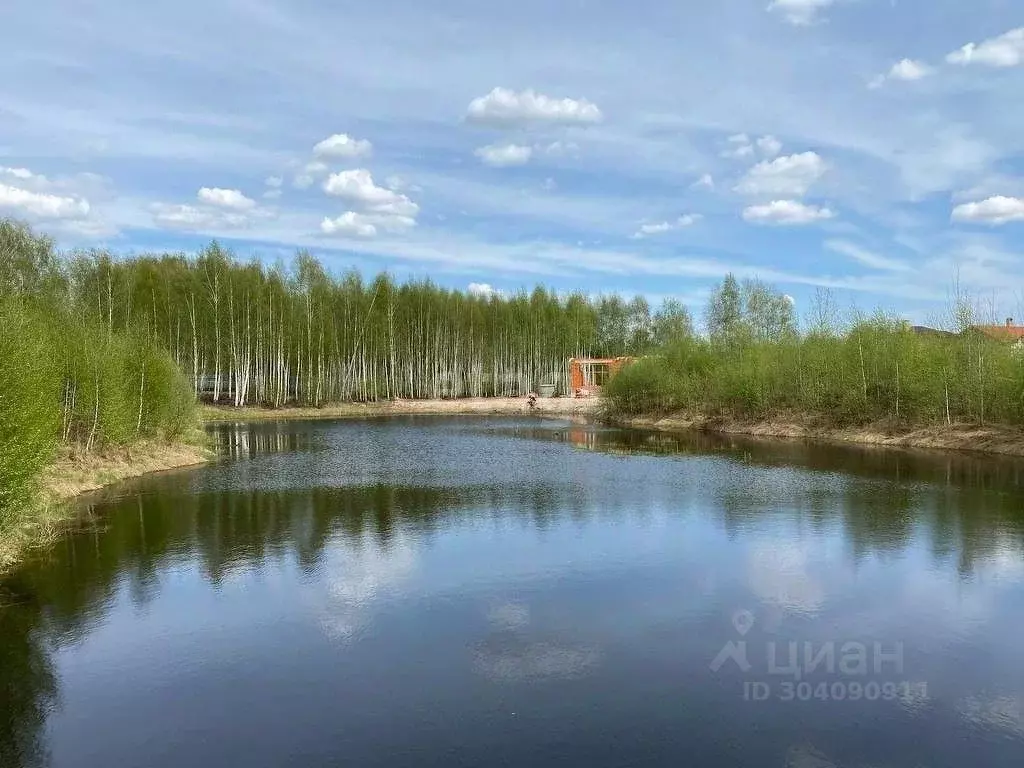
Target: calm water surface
[(475, 592)]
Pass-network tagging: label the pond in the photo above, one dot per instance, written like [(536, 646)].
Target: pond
[(524, 592)]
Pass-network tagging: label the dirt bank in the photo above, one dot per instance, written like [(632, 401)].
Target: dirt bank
[(74, 473), (956, 437), (479, 406)]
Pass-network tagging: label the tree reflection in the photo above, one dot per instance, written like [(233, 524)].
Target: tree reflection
[(967, 509)]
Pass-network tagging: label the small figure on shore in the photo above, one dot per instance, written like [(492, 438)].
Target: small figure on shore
[(531, 400)]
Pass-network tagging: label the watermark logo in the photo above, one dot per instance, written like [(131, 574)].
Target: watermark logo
[(736, 650), (842, 670)]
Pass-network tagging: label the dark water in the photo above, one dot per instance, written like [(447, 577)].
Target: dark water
[(474, 592)]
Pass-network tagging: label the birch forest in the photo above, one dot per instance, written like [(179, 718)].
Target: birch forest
[(245, 333)]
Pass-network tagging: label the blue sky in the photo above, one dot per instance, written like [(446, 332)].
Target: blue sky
[(869, 146)]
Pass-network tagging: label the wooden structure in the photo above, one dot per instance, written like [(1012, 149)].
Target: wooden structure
[(588, 374)]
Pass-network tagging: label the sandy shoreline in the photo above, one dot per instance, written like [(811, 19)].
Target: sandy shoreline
[(957, 437), (480, 406)]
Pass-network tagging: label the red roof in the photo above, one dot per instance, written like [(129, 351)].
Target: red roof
[(1003, 332)]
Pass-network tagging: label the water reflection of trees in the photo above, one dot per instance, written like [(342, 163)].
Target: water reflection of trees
[(965, 507), (239, 441), (28, 686), (968, 506)]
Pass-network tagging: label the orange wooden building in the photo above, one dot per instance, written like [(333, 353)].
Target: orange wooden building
[(588, 374)]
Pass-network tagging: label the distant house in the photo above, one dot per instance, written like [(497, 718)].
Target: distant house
[(1008, 334)]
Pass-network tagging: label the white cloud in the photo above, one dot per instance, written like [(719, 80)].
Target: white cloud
[(769, 146), (273, 182), (707, 180), (503, 156), (906, 70), (349, 223), (791, 175), (483, 290), (40, 205), (311, 171), (739, 146), (22, 174), (272, 194), (231, 199), (652, 229), (865, 257), (786, 212), (994, 210), (503, 107), (341, 146), (1007, 50), (799, 12), (646, 230), (196, 218), (358, 188)]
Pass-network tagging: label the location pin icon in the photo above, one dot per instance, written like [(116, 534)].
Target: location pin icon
[(743, 621)]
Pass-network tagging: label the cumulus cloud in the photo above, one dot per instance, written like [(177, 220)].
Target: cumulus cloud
[(376, 208), (503, 107), (232, 199), (799, 12), (273, 181), (40, 205), (341, 146), (351, 224), (358, 188), (483, 290), (906, 70), (786, 212), (994, 210), (22, 174), (1006, 50), (504, 156), (791, 176), (217, 209), (646, 230)]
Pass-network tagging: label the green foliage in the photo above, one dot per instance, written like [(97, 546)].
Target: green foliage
[(66, 373), (878, 370), (29, 406)]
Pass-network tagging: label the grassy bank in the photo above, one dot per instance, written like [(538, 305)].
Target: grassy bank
[(74, 472)]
